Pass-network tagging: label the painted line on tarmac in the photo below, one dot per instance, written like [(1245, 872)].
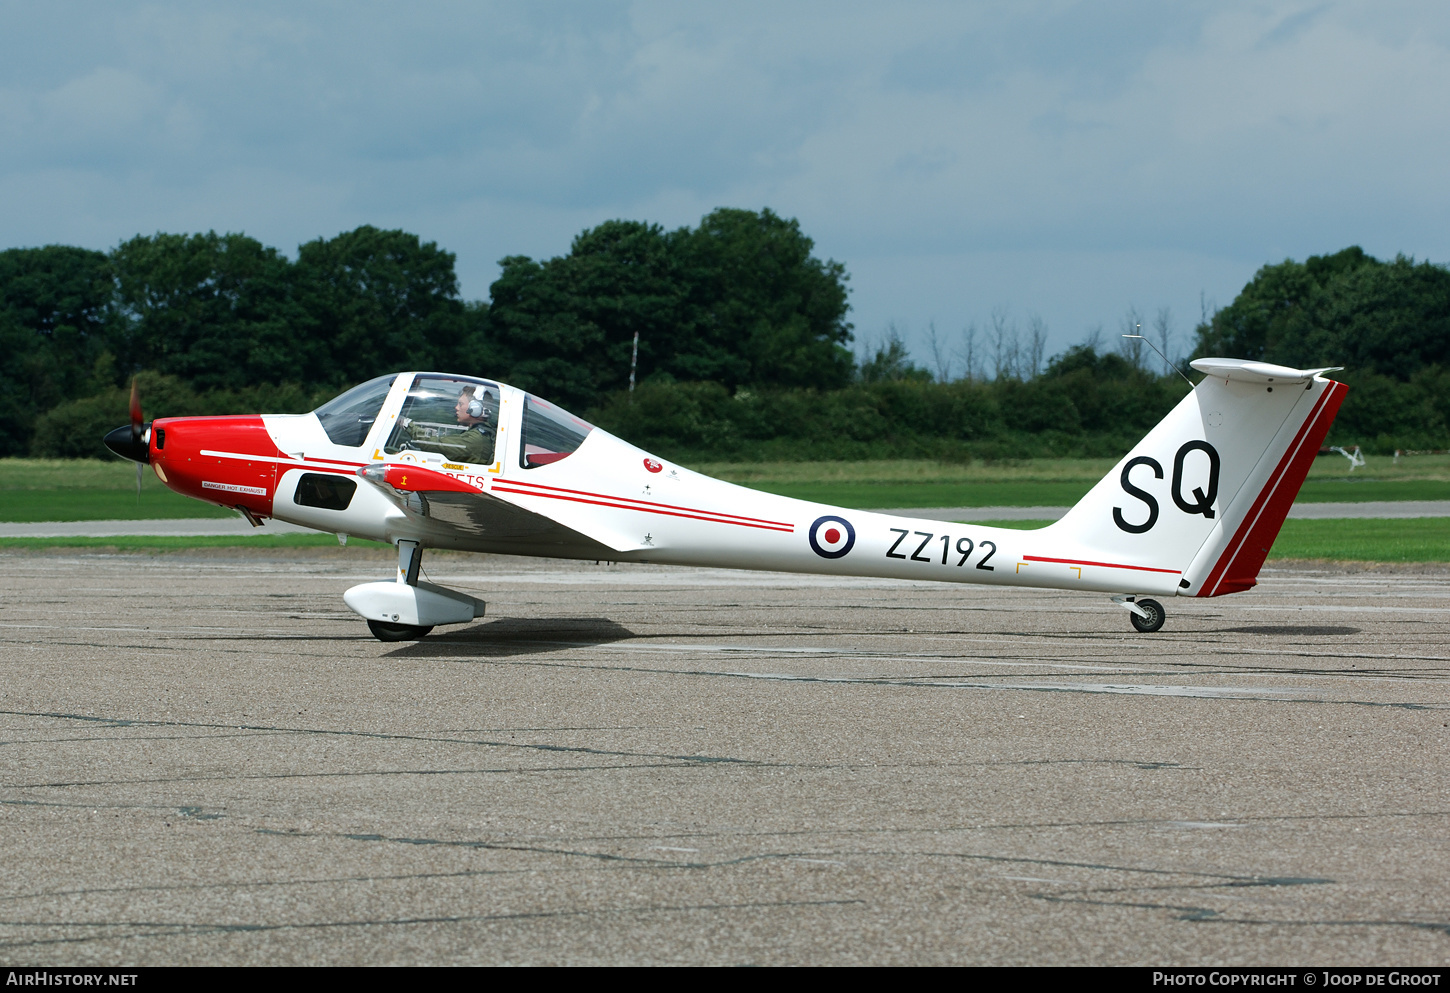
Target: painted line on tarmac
[(838, 653)]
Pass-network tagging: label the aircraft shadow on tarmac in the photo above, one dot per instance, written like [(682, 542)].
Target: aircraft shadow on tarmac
[(510, 636), (1307, 631)]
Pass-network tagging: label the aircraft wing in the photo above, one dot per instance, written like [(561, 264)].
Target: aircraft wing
[(456, 507)]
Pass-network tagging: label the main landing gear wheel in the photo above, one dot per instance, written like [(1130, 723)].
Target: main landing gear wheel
[(383, 631), (1148, 624)]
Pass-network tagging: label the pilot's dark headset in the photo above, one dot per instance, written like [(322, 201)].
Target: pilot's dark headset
[(475, 406)]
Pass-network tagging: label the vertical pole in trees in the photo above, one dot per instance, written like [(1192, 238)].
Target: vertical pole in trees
[(633, 362)]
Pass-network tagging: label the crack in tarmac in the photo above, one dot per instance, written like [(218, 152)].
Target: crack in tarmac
[(187, 928), (1210, 916), (361, 774), (381, 735), (1125, 689)]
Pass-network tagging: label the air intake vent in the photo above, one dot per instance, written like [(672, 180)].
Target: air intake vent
[(325, 491)]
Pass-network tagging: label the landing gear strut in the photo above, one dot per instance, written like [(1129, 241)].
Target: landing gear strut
[(1147, 615), (410, 560), (407, 609)]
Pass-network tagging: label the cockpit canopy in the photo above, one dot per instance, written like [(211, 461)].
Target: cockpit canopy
[(347, 419), (452, 416), (550, 433), (456, 417)]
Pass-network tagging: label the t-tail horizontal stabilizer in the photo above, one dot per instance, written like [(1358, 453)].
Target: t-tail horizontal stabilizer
[(1205, 493)]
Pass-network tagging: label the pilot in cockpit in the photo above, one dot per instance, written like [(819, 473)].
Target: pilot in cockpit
[(477, 441), (474, 444)]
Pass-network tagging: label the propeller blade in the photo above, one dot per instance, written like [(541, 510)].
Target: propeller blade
[(135, 410), (138, 482)]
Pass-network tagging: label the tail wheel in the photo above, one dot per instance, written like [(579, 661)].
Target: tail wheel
[(383, 631), (1148, 624)]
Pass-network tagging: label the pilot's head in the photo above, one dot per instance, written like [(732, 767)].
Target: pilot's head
[(470, 409)]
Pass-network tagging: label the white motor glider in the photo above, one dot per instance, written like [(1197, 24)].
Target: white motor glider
[(429, 460)]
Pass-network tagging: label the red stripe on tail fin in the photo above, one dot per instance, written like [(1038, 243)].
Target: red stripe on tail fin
[(1238, 567)]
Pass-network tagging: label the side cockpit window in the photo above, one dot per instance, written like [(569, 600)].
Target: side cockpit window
[(449, 416), (348, 419), (550, 433)]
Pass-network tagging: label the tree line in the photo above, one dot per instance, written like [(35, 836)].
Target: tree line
[(742, 348), (216, 313), (739, 299), (1386, 322)]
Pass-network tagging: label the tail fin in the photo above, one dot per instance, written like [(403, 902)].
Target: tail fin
[(1205, 493)]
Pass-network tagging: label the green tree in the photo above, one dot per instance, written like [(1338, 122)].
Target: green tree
[(214, 310), (74, 429), (1104, 392), (372, 301), (56, 311), (1349, 309), (763, 309), (740, 300), (565, 327)]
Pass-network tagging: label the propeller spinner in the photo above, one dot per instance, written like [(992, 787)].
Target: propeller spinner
[(134, 440)]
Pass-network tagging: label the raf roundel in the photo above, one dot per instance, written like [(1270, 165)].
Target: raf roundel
[(832, 537)]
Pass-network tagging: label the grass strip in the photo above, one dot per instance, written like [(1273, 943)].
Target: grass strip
[(1366, 490), (1013, 525), (133, 542), (869, 495), (25, 506), (1416, 539)]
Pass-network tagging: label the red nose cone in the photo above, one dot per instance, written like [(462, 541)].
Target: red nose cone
[(229, 461)]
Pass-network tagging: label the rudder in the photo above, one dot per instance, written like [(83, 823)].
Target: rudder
[(1204, 494), (1230, 560)]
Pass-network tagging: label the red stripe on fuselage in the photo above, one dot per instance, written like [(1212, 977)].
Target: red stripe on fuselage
[(504, 486), (643, 505), (1106, 565), (318, 465)]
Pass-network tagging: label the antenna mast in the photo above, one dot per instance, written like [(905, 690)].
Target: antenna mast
[(1160, 352)]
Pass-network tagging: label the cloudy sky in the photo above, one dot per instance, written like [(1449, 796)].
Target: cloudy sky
[(1062, 160)]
